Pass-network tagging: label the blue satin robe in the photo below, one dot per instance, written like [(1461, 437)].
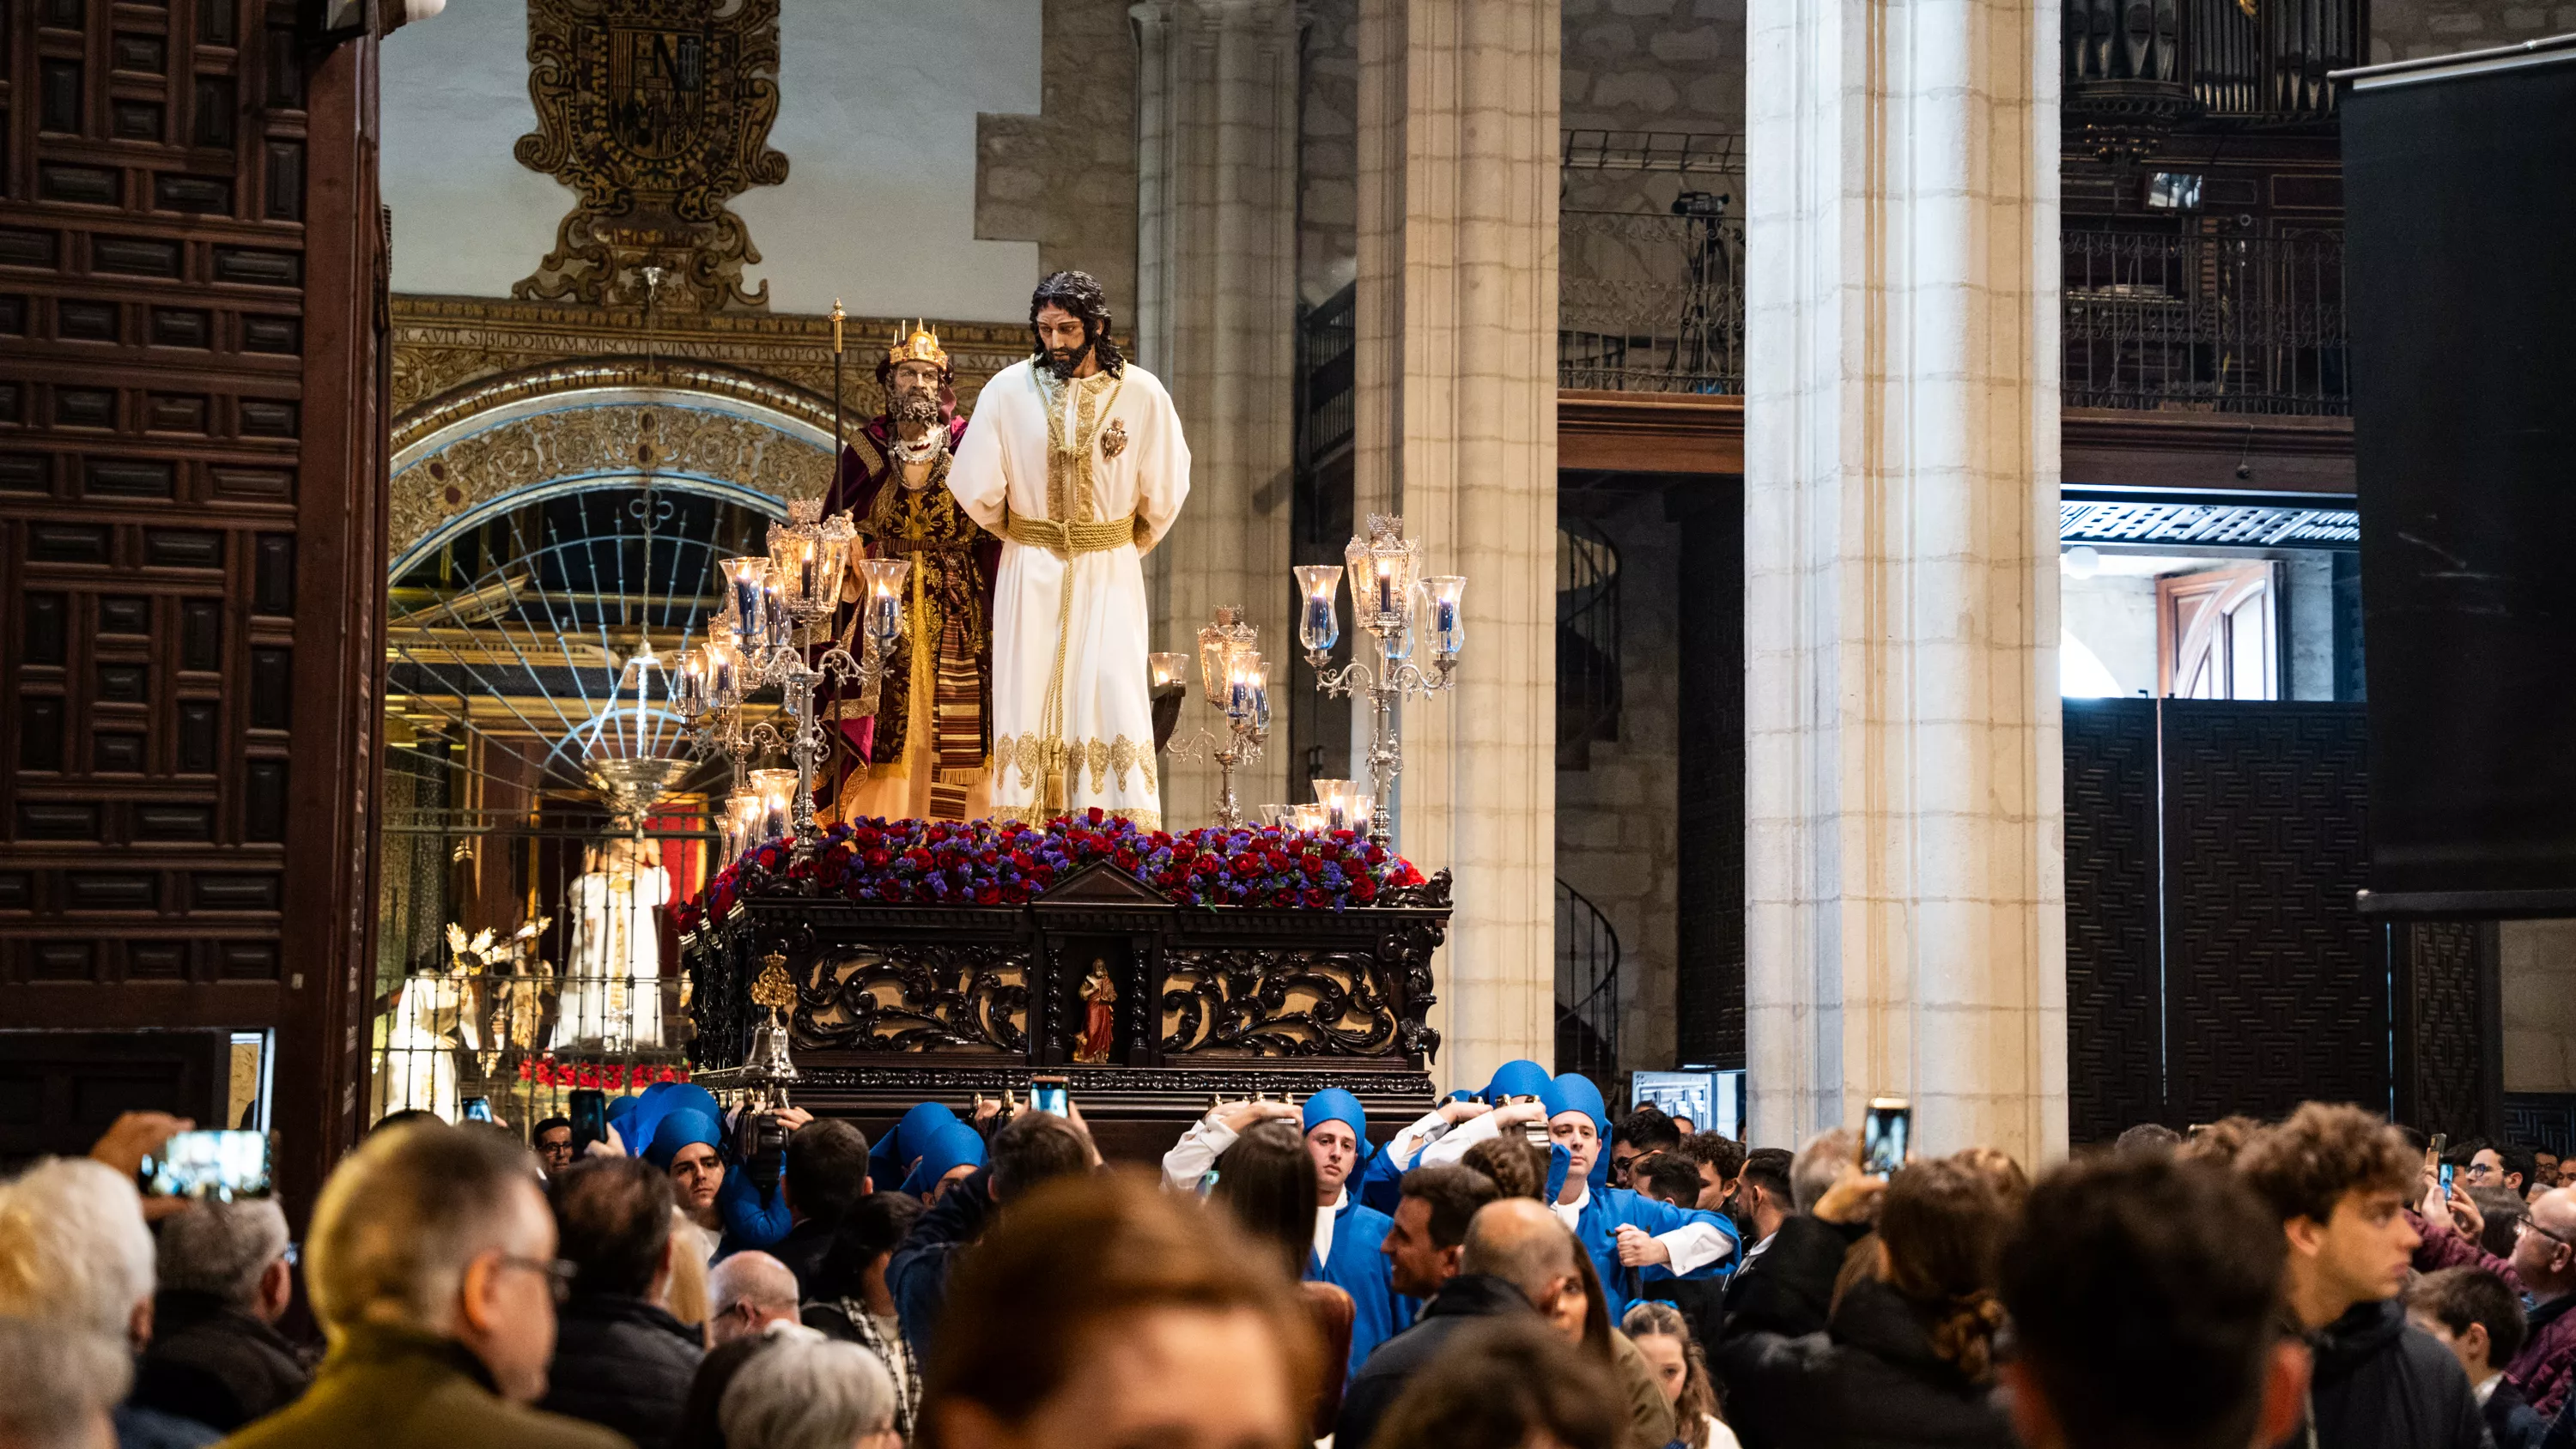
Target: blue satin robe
[(1359, 1267)]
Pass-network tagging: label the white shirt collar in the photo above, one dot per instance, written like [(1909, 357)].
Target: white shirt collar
[(1324, 1218), (2486, 1386)]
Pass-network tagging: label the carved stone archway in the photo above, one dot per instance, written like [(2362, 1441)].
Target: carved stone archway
[(579, 424)]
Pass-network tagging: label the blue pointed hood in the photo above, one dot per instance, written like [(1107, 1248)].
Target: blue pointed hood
[(892, 1156), (1516, 1079), (1336, 1105), (1574, 1092), (948, 1148)]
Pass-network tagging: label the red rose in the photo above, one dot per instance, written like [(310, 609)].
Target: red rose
[(1095, 815), (1317, 900), (1314, 868), (1363, 890), (1126, 860), (1377, 855), (988, 895)]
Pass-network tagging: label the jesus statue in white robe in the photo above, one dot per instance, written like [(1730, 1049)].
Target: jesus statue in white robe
[(1075, 459)]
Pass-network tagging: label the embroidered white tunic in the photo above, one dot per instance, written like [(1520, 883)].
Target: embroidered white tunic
[(1070, 627)]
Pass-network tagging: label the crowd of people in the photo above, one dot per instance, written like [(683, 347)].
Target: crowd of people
[(1516, 1268)]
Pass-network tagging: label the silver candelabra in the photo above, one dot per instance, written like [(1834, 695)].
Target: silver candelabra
[(778, 611), (1237, 681), (1390, 598)]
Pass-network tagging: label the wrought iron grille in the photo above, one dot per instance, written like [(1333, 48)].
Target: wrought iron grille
[(1649, 303), (521, 958), (1324, 371), (2223, 324), (1588, 691), (1587, 988)]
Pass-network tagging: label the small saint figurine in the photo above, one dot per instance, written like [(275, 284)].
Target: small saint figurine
[(1099, 1015)]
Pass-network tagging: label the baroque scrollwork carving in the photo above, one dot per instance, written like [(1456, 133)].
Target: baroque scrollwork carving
[(656, 113), (610, 440), (1286, 1003), (921, 997)]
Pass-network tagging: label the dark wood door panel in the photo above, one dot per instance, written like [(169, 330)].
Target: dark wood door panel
[(191, 546)]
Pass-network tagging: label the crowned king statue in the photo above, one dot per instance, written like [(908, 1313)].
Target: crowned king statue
[(1076, 459), (917, 740)]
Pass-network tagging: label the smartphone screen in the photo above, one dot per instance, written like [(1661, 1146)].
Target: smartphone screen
[(1048, 1094), (478, 1109), (2447, 1170), (1886, 1135), (219, 1165), (589, 1118)]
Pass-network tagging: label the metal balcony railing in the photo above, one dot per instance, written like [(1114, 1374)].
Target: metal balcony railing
[(1650, 303), (2209, 323)]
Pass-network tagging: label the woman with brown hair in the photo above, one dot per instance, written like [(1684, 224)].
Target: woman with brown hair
[(1100, 1311), (1909, 1354), (1266, 1179)]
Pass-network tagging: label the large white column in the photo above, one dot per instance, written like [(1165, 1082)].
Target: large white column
[(1456, 416), (1217, 321), (1904, 842)]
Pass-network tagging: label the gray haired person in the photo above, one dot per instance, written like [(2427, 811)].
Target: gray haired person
[(215, 1355), (63, 1386), (810, 1393)]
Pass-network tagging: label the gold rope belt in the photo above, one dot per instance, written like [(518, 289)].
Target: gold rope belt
[(1067, 541)]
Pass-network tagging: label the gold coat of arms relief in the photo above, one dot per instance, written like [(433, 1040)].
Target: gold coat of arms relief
[(656, 113)]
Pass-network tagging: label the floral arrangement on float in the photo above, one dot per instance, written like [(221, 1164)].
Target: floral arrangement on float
[(601, 1076), (984, 863)]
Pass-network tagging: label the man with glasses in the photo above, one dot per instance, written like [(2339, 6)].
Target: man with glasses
[(431, 1265), (2508, 1167), (2542, 1269)]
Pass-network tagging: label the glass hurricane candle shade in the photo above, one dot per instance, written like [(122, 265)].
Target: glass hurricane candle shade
[(885, 579), (1168, 669), (1334, 796), (1383, 565), (791, 561), (1358, 810), (1310, 818), (1319, 625), (741, 818), (689, 687), (776, 793), (1444, 616), (746, 591), (724, 669), (1223, 645)]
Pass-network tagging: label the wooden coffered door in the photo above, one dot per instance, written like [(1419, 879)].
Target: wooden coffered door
[(191, 535)]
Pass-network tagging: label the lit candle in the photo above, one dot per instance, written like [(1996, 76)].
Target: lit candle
[(744, 578), (723, 691), (1386, 586)]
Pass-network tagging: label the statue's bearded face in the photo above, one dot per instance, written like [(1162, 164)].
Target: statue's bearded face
[(912, 393), (1065, 337)]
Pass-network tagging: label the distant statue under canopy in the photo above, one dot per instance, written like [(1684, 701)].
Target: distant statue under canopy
[(1076, 459)]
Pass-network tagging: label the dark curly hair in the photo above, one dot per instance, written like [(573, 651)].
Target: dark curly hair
[(2303, 1166), (1079, 294)]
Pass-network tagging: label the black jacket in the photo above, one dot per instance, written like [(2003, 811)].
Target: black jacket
[(2380, 1383), (215, 1364), (1871, 1381), (802, 1251), (624, 1364), (1787, 1288), (918, 1271), (2510, 1419), (1461, 1301)]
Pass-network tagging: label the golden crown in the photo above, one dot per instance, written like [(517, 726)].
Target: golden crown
[(919, 344)]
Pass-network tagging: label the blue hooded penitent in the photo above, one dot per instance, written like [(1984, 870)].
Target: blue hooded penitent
[(683, 1128), (891, 1159), (660, 1100), (1336, 1105), (1515, 1079), (950, 1147), (1573, 1092)]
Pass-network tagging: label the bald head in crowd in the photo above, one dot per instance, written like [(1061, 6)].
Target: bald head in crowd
[(746, 1293), (1519, 1241)]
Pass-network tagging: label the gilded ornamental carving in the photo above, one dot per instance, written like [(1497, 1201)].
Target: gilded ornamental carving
[(656, 113)]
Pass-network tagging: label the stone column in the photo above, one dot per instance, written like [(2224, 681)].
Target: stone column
[(1217, 321), (1456, 410), (1904, 843)]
